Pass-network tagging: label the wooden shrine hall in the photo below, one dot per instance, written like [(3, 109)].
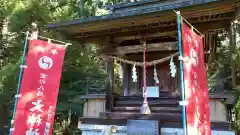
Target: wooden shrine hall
[(120, 36)]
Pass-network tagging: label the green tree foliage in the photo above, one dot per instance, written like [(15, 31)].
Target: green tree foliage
[(221, 66), (219, 75), (80, 64)]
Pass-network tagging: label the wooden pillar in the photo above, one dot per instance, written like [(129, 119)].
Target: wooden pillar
[(126, 79), (110, 83)]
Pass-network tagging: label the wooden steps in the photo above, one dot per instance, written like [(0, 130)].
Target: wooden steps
[(165, 110), (156, 103), (162, 108), (135, 102), (153, 109), (131, 98)]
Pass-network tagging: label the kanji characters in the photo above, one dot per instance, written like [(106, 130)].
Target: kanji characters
[(189, 39), (38, 120), (195, 84), (31, 132), (42, 82), (47, 128), (33, 118), (50, 109), (54, 51), (49, 113), (195, 79), (39, 93), (38, 106), (43, 76), (206, 131), (198, 113), (196, 43), (41, 88), (194, 58), (49, 116)]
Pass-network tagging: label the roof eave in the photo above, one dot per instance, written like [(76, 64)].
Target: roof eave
[(120, 16)]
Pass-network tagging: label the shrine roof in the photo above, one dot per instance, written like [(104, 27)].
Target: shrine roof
[(129, 4), (171, 5), (112, 16), (130, 15), (146, 3)]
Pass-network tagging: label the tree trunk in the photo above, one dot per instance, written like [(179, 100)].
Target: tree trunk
[(1, 105), (212, 49), (2, 115), (1, 30), (232, 43), (81, 6)]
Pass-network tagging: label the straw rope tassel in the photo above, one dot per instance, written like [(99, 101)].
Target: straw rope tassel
[(145, 108)]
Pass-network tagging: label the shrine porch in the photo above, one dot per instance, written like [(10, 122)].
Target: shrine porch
[(165, 110)]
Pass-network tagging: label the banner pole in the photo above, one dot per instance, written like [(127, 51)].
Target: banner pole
[(181, 73), (19, 81)]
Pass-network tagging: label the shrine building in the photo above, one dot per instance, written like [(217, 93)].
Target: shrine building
[(120, 35)]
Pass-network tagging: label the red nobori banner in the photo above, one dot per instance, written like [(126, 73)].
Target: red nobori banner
[(195, 83), (35, 109)]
